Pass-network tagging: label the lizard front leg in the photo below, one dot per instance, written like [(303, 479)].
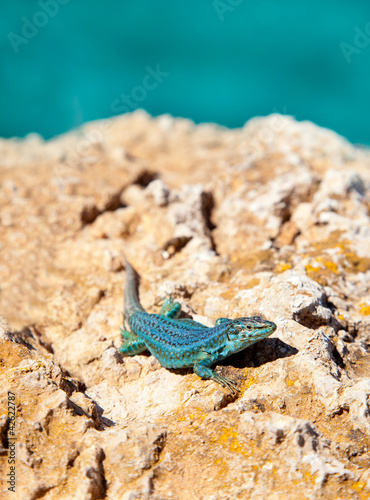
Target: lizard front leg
[(170, 308), (219, 321), (202, 368)]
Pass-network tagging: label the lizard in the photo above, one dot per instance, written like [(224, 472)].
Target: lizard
[(184, 343)]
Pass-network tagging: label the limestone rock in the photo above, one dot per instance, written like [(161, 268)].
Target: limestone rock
[(270, 219)]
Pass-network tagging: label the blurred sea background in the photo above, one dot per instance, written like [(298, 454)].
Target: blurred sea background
[(65, 62)]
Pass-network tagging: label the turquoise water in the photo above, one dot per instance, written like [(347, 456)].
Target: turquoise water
[(64, 62)]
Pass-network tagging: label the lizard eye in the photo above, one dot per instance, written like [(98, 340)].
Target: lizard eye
[(249, 326)]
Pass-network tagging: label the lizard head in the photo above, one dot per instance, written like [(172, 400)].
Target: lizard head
[(242, 332)]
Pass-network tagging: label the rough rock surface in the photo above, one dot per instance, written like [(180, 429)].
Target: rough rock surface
[(270, 219)]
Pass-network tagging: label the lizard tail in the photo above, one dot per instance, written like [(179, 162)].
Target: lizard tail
[(131, 302)]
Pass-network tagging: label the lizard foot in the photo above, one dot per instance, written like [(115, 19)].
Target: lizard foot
[(203, 371), (226, 382)]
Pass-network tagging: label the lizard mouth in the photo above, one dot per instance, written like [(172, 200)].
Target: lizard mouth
[(260, 330)]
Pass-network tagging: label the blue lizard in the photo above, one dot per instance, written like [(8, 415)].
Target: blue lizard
[(182, 343)]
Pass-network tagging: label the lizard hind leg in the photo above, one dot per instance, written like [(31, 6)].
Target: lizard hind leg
[(131, 344), (170, 308)]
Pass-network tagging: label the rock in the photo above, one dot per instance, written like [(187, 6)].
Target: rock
[(271, 219)]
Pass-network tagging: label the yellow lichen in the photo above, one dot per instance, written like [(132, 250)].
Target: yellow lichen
[(319, 274), (223, 467), (332, 266), (310, 478), (229, 438), (364, 309), (358, 486), (312, 269), (282, 266), (248, 384)]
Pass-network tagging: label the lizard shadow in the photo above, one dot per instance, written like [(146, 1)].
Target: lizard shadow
[(264, 351)]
